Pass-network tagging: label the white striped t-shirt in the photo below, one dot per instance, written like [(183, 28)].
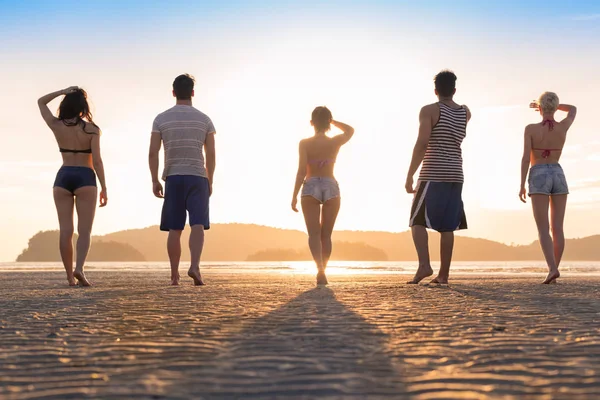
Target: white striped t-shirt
[(183, 130), (443, 158)]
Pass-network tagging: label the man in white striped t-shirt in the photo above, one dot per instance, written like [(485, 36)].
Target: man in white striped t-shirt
[(186, 134), (438, 201)]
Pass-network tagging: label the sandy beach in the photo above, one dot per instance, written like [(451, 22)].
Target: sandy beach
[(277, 336)]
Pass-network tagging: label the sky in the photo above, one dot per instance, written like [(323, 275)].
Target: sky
[(262, 66)]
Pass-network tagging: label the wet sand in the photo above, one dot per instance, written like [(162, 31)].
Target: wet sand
[(277, 336)]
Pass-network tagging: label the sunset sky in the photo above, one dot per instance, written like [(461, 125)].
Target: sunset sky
[(262, 66)]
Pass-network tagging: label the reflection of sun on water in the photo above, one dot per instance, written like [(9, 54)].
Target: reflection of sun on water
[(334, 268)]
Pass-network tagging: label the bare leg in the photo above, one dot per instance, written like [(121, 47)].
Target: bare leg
[(311, 208), (63, 199), (174, 251), (196, 245), (558, 206), (85, 200), (329, 214), (421, 240), (446, 249), (540, 204)]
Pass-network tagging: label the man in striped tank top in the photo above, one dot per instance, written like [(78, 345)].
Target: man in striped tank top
[(438, 201)]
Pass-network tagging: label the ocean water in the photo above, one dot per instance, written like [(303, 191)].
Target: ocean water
[(529, 268)]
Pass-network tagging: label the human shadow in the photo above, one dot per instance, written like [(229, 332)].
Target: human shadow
[(311, 347)]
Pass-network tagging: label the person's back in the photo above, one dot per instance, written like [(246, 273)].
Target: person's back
[(547, 141), (443, 158), (185, 132), (321, 152), (74, 139)]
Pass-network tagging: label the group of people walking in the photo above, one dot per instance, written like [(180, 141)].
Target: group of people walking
[(187, 135)]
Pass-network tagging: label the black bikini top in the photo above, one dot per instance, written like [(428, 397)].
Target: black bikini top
[(78, 121), (86, 151)]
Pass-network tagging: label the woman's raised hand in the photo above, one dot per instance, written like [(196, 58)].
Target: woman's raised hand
[(70, 89), (534, 105)]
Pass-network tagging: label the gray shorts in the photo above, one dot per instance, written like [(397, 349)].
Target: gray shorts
[(322, 189), (547, 179)]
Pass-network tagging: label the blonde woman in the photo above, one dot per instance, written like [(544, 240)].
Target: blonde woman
[(548, 187)]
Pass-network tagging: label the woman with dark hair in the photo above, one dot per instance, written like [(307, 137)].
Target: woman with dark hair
[(78, 140), (320, 191), (548, 188)]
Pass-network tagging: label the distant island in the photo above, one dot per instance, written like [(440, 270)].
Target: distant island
[(246, 242), (43, 246)]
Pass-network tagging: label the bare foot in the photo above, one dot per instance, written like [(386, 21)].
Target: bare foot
[(422, 273), (322, 278), (71, 280), (81, 279), (195, 275), (439, 281), (175, 280), (552, 277)]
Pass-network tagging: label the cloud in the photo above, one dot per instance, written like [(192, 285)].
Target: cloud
[(12, 165), (10, 189), (586, 17), (500, 108), (576, 149), (586, 184), (590, 151)]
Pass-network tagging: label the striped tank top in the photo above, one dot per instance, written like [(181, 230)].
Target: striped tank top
[(443, 158)]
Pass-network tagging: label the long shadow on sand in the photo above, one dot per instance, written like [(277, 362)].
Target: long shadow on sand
[(311, 347)]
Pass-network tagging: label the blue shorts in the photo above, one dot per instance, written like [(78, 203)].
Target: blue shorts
[(439, 206), (185, 193), (547, 179), (73, 178)]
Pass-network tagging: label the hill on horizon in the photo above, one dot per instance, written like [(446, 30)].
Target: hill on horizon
[(238, 242), (43, 246)]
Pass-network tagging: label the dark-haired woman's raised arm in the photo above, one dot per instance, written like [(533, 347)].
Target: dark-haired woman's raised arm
[(44, 100)]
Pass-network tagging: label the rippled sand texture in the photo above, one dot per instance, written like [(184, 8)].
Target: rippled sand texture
[(272, 336)]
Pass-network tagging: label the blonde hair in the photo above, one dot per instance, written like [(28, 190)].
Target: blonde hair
[(548, 102)]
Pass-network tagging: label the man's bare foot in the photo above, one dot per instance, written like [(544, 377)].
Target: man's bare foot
[(439, 281), (422, 273), (195, 275), (81, 279), (552, 277), (175, 280), (322, 278)]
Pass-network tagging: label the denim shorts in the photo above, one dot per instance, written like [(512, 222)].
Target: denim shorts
[(321, 188), (547, 179)]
